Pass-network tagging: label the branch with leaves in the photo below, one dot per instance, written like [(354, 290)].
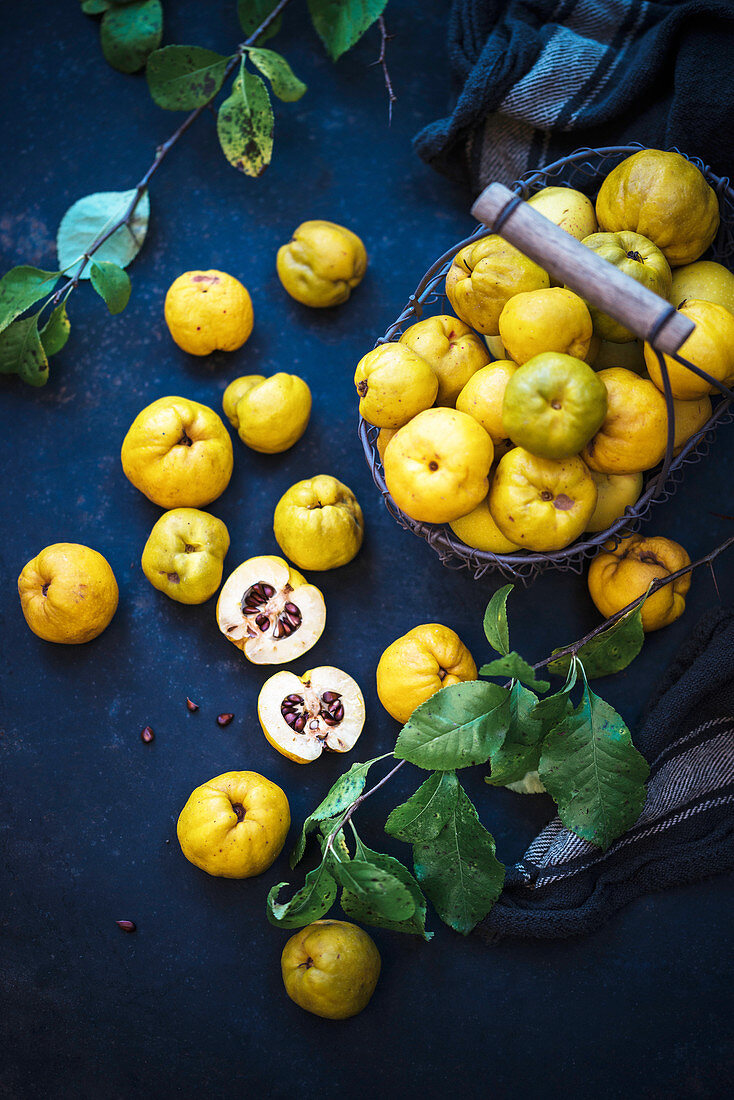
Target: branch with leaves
[(102, 233), (570, 743)]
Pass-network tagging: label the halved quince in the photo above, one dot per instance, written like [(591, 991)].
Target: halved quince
[(302, 716), (270, 611)]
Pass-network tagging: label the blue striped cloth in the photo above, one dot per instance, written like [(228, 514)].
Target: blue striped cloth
[(539, 78)]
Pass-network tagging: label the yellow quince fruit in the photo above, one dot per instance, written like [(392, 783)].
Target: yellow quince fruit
[(208, 311), (235, 825), (541, 503), (321, 264), (704, 280), (451, 348), (436, 466), (619, 574), (330, 968), (184, 554), (318, 523), (571, 210), (665, 198), (68, 593), (270, 414), (417, 665), (634, 433), (178, 453), (394, 383), (484, 275), (615, 493), (633, 255), (479, 531), (710, 347), (483, 395), (545, 321), (690, 417)]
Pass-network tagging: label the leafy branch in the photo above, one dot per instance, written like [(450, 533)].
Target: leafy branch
[(580, 752), (102, 233)]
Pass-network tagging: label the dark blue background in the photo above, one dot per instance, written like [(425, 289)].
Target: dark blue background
[(193, 1002)]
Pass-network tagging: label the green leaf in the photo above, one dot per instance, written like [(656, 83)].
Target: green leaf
[(55, 332), (426, 812), (90, 217), (283, 80), (361, 907), (341, 23), (253, 13), (593, 772), (610, 651), (21, 351), (554, 707), (495, 621), (95, 7), (342, 794), (245, 125), (112, 283), (380, 890), (458, 726), (22, 287), (181, 78), (309, 903), (458, 869), (513, 665), (520, 752), (130, 32)]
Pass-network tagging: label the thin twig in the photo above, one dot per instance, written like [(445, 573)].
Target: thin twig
[(161, 153), (572, 650), (382, 62), (360, 799)]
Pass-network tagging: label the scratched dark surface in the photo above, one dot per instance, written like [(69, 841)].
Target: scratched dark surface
[(193, 1002)]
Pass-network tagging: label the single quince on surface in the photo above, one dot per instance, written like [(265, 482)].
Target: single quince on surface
[(394, 383), (618, 575), (553, 405), (302, 716), (208, 311), (633, 255), (710, 347), (453, 351), (184, 554), (634, 433), (235, 825), (553, 320), (479, 531), (68, 593), (484, 276), (483, 395), (541, 503), (436, 466), (318, 523), (330, 968), (321, 264), (570, 210), (178, 453), (417, 665), (665, 198), (704, 280), (615, 493), (269, 414), (270, 611)]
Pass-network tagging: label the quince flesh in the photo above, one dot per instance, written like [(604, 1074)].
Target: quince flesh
[(303, 716)]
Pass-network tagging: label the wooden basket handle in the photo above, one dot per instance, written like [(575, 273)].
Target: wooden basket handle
[(574, 265)]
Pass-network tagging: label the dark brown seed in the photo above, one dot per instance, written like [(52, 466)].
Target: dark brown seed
[(290, 717), (292, 609), (147, 735), (224, 719), (263, 622), (267, 590), (299, 723), (329, 720), (126, 925), (294, 699), (193, 707), (331, 696), (286, 628), (338, 712)]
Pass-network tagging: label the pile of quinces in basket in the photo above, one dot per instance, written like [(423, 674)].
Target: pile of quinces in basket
[(542, 430)]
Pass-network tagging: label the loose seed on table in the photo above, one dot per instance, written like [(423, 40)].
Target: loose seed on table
[(126, 925), (224, 719), (193, 707), (147, 735)]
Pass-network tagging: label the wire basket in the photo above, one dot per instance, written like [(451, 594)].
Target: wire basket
[(584, 171)]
